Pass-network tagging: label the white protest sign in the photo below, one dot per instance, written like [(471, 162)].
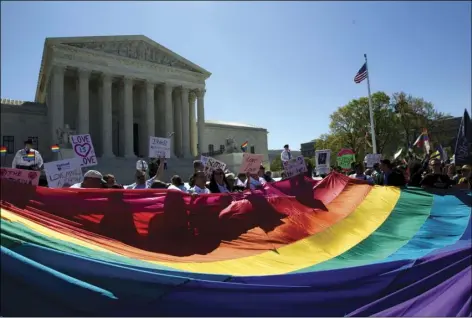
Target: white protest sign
[(20, 175), (251, 163), (373, 159), (212, 164), (204, 160), (323, 160), (295, 166), (83, 149), (63, 173), (159, 147)]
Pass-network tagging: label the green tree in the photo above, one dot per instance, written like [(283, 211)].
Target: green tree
[(276, 164), (351, 123)]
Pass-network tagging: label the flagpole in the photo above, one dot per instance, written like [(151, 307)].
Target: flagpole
[(371, 112)]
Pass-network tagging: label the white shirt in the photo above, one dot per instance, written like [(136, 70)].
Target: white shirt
[(181, 188), (196, 189), (76, 185), (21, 159), (285, 155)]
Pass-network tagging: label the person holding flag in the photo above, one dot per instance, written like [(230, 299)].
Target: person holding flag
[(286, 155), (28, 158)]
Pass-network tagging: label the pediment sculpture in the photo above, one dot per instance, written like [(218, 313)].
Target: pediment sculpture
[(138, 50)]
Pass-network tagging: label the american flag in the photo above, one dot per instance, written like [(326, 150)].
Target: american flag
[(361, 74)]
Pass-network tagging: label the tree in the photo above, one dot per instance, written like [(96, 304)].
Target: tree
[(276, 164), (351, 123), (415, 114)]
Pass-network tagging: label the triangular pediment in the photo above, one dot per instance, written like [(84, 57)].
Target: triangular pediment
[(136, 47)]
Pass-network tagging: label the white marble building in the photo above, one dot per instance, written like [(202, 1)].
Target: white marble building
[(121, 90)]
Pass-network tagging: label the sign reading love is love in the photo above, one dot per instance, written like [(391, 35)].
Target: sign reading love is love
[(83, 149), (251, 163)]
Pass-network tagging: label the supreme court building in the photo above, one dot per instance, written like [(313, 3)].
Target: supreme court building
[(121, 90)]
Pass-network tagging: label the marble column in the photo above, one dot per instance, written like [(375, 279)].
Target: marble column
[(143, 138), (128, 118), (201, 120), (107, 122), (150, 121), (84, 99), (185, 123), (193, 141), (57, 102), (169, 117), (178, 122)]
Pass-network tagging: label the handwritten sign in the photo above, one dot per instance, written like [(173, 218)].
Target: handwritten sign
[(20, 175), (212, 164), (294, 166), (251, 163), (372, 159), (159, 147), (204, 160), (83, 149), (63, 173), (323, 160), (345, 158)]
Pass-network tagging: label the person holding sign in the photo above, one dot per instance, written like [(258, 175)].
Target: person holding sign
[(286, 155), (256, 181), (28, 158)]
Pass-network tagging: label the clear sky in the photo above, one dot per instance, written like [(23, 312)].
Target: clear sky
[(285, 66)]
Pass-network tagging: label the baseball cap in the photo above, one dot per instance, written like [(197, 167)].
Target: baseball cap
[(94, 174)]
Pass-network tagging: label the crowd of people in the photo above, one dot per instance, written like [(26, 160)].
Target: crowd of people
[(426, 173)]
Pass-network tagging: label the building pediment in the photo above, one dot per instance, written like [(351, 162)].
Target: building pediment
[(136, 47)]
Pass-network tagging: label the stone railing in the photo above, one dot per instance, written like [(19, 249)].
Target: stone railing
[(8, 101)]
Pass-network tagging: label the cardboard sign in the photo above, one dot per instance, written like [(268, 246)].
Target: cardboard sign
[(212, 164), (20, 175), (373, 159), (323, 160), (83, 149), (345, 158), (63, 173), (294, 166), (251, 163), (159, 147)]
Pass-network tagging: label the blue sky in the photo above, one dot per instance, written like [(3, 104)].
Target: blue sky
[(285, 66)]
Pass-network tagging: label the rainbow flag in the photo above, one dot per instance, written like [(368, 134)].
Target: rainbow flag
[(30, 155), (55, 148), (3, 151), (244, 146), (336, 247)]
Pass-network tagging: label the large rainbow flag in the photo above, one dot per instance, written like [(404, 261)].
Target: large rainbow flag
[(336, 247)]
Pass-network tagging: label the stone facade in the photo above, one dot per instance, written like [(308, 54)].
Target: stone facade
[(121, 90)]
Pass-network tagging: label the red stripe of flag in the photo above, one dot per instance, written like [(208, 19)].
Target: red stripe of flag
[(361, 74)]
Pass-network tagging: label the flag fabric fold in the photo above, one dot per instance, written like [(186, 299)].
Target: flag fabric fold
[(462, 149), (244, 146)]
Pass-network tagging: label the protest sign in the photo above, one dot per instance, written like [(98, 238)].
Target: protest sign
[(212, 164), (83, 149), (20, 175), (204, 160), (323, 160), (159, 147), (63, 173), (372, 159), (251, 163), (294, 166), (345, 158)]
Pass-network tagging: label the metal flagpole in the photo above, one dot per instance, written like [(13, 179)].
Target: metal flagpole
[(371, 112)]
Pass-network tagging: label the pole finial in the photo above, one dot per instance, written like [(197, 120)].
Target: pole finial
[(365, 56)]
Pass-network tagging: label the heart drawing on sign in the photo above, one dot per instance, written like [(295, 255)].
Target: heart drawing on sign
[(82, 149)]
